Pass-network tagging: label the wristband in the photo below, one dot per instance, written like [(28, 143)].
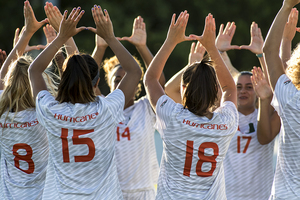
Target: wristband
[(259, 55)]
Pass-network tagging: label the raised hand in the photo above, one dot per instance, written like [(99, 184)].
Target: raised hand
[(257, 41), (260, 84), (208, 37), (139, 35), (27, 48), (68, 25), (49, 33), (104, 27), (31, 24), (176, 32), (224, 38), (291, 26), (2, 57), (54, 16), (196, 53)]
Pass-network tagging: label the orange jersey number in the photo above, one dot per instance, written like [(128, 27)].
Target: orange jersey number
[(77, 141), (202, 158), (26, 158)]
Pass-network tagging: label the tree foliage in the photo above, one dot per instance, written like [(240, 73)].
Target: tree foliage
[(157, 15)]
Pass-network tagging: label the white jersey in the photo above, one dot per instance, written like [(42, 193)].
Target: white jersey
[(82, 146), (137, 164), (194, 150), (248, 165), (286, 101), (24, 149)]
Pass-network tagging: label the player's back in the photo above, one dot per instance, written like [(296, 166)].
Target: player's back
[(24, 156), (82, 139), (194, 149)]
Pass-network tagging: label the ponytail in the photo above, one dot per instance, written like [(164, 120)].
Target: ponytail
[(201, 87), (76, 83)]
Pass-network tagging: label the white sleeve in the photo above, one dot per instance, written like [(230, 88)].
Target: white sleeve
[(116, 101), (164, 108), (43, 99), (284, 91), (229, 114)]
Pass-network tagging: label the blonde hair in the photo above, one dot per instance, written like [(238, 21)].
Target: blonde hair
[(17, 92), (110, 63), (293, 69)]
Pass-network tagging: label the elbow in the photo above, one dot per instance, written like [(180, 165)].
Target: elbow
[(263, 140)]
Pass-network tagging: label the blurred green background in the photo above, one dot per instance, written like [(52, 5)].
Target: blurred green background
[(157, 15)]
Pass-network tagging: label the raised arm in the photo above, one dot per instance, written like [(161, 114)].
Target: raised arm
[(256, 47), (54, 16), (273, 40), (99, 49), (27, 48), (139, 39), (268, 125), (225, 79), (31, 26), (133, 74), (288, 35), (223, 43), (172, 87), (67, 30), (176, 34)]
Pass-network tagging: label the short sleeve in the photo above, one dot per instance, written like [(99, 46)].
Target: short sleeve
[(164, 108), (283, 93), (229, 114), (43, 99), (116, 101)]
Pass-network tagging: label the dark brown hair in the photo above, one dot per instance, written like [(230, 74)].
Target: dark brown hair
[(76, 82), (201, 87)]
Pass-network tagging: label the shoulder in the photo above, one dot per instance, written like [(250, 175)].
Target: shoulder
[(228, 112)]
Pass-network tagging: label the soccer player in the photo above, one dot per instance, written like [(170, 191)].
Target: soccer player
[(80, 125), (252, 145), (195, 138), (285, 85)]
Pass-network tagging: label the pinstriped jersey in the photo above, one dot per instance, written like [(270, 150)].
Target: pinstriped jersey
[(82, 146), (24, 149), (137, 164), (248, 165), (194, 150), (286, 101)]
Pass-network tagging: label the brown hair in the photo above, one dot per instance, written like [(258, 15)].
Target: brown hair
[(201, 87), (76, 82), (293, 69), (17, 92), (110, 63)]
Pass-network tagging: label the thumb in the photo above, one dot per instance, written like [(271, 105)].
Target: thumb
[(92, 29), (245, 47), (81, 29), (125, 38), (234, 47)]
